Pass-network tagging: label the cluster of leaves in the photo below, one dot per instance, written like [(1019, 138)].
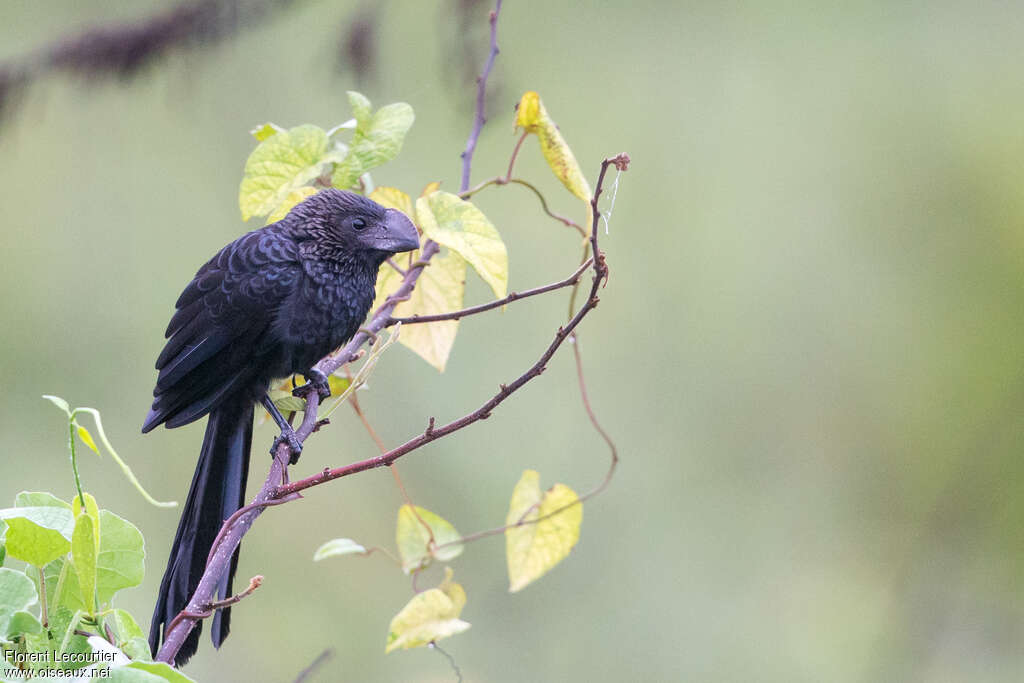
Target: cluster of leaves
[(287, 166), (541, 529), (290, 165), (57, 612)]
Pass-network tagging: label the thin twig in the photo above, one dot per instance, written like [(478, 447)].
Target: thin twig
[(481, 96), (320, 660), (451, 661), (499, 181), (398, 269), (394, 470), (468, 538), (209, 608), (515, 153), (514, 296)]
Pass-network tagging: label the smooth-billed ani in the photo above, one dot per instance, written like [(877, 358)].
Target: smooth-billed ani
[(268, 305)]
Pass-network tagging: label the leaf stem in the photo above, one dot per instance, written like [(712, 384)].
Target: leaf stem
[(74, 459)]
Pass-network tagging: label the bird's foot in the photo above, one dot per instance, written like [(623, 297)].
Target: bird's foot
[(289, 437), (318, 382)]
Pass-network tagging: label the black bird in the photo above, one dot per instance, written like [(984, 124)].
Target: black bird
[(268, 305)]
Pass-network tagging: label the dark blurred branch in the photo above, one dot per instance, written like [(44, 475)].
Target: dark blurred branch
[(123, 49), (320, 660)]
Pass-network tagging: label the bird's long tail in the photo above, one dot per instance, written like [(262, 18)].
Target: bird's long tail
[(218, 490)]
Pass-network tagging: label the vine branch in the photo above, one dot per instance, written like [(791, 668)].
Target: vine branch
[(513, 296)]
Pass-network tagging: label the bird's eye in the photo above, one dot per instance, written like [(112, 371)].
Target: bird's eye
[(358, 223)]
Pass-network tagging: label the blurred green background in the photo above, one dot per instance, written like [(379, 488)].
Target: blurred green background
[(805, 353)]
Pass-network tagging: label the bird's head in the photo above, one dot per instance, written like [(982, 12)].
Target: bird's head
[(343, 222)]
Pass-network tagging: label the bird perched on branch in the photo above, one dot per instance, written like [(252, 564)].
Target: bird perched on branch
[(269, 305)]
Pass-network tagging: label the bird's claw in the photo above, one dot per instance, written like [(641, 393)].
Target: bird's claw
[(289, 437), (317, 381)]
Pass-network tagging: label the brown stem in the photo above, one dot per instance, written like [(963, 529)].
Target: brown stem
[(514, 296)]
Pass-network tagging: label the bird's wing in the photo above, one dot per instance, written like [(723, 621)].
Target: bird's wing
[(224, 315)]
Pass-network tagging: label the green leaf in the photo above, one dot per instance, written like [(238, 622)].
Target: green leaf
[(377, 140), (83, 554), (62, 628), (59, 402), (27, 499), (532, 549), (439, 289), (123, 625), (137, 648), (463, 228), (336, 547), (429, 616), (91, 509), (86, 438), (17, 594), (38, 535), (285, 402), (3, 534), (362, 110), (263, 132), (414, 539), (121, 560), (282, 163), (61, 586), (23, 622), (153, 671)]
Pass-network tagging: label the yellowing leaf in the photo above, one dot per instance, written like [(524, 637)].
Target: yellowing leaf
[(377, 139), (463, 228), (533, 117), (439, 289), (281, 163), (288, 203), (263, 132), (84, 549), (86, 438), (91, 509), (413, 539), (532, 549), (429, 616), (393, 198), (431, 188)]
